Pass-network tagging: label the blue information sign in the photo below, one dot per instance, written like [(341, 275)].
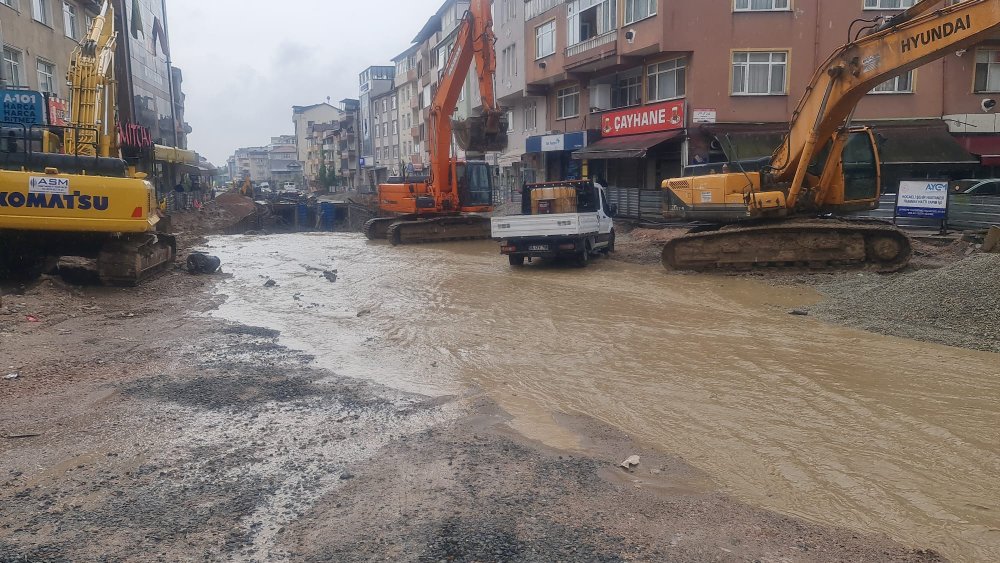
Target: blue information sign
[(25, 107)]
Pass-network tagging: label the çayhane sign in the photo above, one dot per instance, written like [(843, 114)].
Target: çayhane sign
[(667, 116)]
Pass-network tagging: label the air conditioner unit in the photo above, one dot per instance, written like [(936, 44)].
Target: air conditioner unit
[(600, 97)]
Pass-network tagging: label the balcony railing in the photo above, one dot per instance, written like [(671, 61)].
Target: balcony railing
[(592, 43), (535, 8)]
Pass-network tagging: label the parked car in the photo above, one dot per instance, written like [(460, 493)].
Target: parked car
[(987, 187)]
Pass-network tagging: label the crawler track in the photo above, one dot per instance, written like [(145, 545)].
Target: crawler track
[(130, 260), (439, 229), (817, 244)]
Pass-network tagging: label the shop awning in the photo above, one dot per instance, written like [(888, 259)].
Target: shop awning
[(174, 155), (986, 147), (631, 146), (929, 144)]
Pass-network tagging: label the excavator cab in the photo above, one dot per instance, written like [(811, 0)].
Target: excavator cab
[(475, 184)]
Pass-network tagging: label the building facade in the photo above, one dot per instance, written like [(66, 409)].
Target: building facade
[(605, 65), (374, 82), (408, 102), (385, 117), (38, 41), (304, 117)]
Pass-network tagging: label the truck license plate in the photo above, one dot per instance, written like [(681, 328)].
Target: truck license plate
[(539, 247)]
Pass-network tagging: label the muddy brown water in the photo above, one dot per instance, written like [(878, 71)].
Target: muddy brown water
[(831, 424)]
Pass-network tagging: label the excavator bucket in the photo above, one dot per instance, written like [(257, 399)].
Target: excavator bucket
[(482, 134)]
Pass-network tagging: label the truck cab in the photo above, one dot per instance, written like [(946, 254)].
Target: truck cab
[(558, 219)]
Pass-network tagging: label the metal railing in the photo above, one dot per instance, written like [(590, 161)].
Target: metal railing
[(535, 8), (592, 43)]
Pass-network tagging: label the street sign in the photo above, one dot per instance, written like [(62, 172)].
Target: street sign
[(25, 107), (923, 199)]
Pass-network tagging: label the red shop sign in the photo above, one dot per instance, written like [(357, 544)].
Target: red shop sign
[(667, 116)]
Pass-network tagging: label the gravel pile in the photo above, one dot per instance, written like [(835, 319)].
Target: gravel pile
[(958, 305)]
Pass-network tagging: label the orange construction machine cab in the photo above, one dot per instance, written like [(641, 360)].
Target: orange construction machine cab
[(474, 193)]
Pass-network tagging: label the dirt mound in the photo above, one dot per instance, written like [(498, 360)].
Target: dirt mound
[(955, 305), (217, 216)]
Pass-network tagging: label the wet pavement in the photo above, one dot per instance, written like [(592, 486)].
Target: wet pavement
[(835, 425)]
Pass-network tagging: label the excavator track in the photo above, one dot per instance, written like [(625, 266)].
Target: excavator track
[(439, 229), (378, 228), (131, 259), (815, 244)]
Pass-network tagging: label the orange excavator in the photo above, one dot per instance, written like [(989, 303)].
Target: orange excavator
[(772, 214), (447, 205)]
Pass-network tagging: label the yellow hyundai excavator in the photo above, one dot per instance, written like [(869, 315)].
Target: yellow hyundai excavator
[(773, 216), (447, 204), (85, 200)]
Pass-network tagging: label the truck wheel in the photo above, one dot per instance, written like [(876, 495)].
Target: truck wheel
[(515, 260), (583, 258), (611, 244)]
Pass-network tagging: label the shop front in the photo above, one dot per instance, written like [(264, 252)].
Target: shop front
[(639, 147), (552, 155)]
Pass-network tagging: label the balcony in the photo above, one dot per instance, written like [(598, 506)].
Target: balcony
[(415, 132), (592, 43), (415, 102)]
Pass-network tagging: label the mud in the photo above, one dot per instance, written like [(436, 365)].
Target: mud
[(429, 405)]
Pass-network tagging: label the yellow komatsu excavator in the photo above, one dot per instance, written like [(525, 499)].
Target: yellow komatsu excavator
[(778, 214), (83, 200)]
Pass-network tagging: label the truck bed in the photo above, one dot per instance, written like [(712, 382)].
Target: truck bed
[(538, 226)]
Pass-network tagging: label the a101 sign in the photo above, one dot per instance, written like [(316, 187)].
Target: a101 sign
[(23, 107)]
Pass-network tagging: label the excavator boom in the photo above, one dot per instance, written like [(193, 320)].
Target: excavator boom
[(443, 206)]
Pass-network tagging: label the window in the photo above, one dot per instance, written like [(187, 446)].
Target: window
[(628, 90), (899, 85), (12, 67), (46, 76), (590, 18), (545, 39), (394, 103), (888, 4), (763, 5), (508, 60), (530, 117), (88, 23), (667, 80), (569, 102), (395, 128), (759, 73), (987, 70), (40, 11), (636, 10), (69, 20), (510, 10)]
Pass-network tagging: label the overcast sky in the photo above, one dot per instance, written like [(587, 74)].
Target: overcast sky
[(247, 62)]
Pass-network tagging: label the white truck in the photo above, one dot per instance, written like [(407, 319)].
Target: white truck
[(558, 219)]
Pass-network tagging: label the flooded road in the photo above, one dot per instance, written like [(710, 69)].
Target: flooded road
[(835, 425)]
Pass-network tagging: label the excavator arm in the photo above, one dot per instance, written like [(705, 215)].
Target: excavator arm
[(92, 80), (915, 37), (474, 43)]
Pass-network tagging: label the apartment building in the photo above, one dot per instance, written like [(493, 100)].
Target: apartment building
[(635, 90), (385, 135), (374, 82), (304, 117), (283, 161), (348, 141), (39, 37), (526, 113), (408, 102)]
